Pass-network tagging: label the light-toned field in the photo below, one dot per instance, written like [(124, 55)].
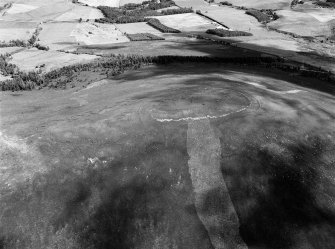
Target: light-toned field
[(67, 35), (304, 24), (138, 27), (2, 77), (29, 59), (123, 2), (10, 50), (20, 8), (16, 30), (261, 4), (97, 33), (57, 35), (78, 12), (187, 22), (95, 3)]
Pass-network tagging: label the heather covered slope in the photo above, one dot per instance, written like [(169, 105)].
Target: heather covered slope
[(148, 160)]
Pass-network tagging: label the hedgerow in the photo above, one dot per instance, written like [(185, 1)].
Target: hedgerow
[(227, 33), (161, 27), (143, 37), (176, 11)]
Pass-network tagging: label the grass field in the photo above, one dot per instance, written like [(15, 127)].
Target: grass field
[(138, 27), (29, 59)]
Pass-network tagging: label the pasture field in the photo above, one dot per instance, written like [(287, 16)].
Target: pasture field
[(98, 33), (187, 22), (30, 59), (77, 12), (58, 35), (19, 8), (138, 27), (312, 23)]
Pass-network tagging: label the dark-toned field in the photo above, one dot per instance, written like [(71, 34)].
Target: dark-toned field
[(180, 156)]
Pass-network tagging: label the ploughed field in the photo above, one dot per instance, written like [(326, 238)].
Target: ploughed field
[(179, 156)]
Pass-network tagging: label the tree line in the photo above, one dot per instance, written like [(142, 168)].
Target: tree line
[(117, 64)]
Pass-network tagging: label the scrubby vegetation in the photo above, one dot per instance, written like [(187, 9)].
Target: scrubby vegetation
[(161, 27), (227, 33), (143, 37)]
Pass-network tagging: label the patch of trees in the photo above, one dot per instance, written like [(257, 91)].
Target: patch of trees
[(133, 12), (121, 15), (143, 37), (227, 33), (155, 23), (177, 11), (226, 3), (327, 4), (13, 43), (7, 69), (260, 16), (6, 6), (154, 5)]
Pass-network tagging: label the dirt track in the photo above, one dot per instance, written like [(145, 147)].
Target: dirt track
[(115, 171)]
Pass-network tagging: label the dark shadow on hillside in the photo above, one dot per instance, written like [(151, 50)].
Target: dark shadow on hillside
[(280, 198)]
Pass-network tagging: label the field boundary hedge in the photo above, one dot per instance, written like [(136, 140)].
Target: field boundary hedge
[(155, 23)]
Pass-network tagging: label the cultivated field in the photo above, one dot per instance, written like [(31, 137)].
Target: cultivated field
[(29, 59), (139, 27), (95, 3), (261, 4)]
